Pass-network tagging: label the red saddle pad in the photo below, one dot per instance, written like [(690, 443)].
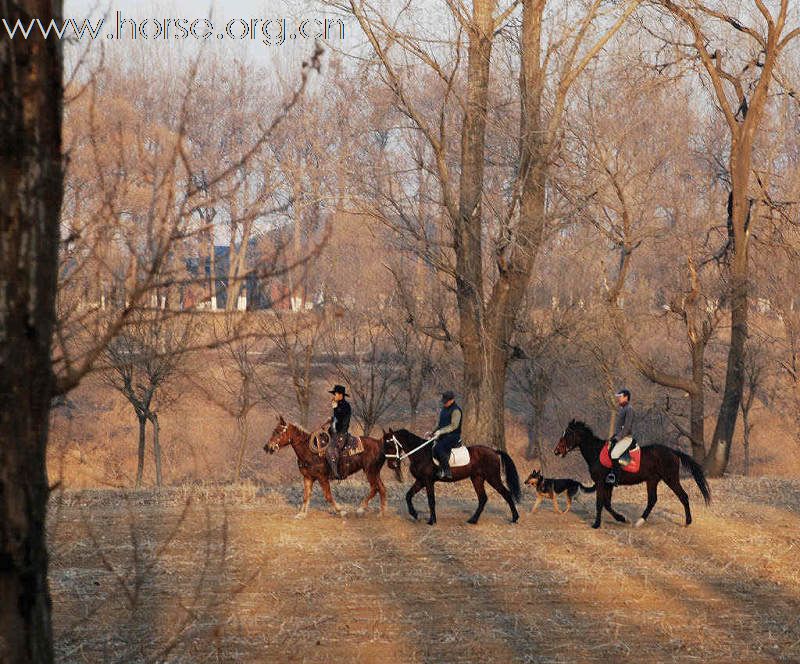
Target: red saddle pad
[(632, 467)]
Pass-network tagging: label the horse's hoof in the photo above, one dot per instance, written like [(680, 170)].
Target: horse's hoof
[(300, 515), (472, 521), (361, 511), (639, 523), (595, 526), (514, 519)]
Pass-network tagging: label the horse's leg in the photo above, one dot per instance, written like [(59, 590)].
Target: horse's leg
[(308, 484), (326, 489), (431, 502), (537, 503), (674, 483), (599, 500), (497, 485), (382, 493), (652, 497), (607, 504), (477, 482), (415, 488), (373, 489)]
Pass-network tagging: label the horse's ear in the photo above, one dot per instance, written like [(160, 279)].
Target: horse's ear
[(281, 420), (391, 431), (383, 431)]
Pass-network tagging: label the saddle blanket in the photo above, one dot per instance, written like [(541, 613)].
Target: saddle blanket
[(629, 461), (459, 456), (353, 446)]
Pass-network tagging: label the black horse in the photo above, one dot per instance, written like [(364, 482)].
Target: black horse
[(658, 463), (484, 465)]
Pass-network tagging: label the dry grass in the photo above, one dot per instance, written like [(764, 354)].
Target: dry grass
[(221, 574)]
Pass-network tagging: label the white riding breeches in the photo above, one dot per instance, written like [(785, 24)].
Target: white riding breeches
[(620, 447)]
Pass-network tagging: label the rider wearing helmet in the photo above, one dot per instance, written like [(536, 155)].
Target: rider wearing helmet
[(447, 434), (623, 435)]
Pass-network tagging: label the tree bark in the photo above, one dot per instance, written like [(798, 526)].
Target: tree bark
[(156, 448), (31, 185), (140, 456)]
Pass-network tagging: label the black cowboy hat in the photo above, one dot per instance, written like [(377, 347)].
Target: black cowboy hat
[(624, 392), (338, 389), (447, 395)]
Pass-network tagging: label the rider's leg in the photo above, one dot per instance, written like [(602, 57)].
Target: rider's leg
[(332, 455), (619, 448), (447, 445)]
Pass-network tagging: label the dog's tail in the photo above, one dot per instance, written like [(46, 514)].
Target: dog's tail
[(588, 489), (697, 472), (512, 476)]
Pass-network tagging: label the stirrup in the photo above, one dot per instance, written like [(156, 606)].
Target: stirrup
[(611, 478)]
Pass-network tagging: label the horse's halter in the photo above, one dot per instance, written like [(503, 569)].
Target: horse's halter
[(274, 445), (399, 454), (398, 450)]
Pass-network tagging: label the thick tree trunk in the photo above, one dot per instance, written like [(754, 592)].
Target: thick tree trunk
[(697, 404), (31, 184), (467, 233), (538, 397), (142, 444), (157, 448), (719, 453)]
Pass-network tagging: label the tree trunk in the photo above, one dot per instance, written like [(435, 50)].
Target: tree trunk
[(31, 185), (538, 397), (156, 448), (140, 463), (720, 451), (697, 404), (241, 435)]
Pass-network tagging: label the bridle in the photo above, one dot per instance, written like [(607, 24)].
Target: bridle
[(399, 454)]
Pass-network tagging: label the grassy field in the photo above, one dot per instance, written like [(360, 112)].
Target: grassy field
[(223, 574)]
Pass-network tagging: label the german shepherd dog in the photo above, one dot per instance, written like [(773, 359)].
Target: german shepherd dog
[(547, 487)]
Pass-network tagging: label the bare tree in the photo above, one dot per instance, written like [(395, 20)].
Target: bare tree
[(742, 71), (142, 360), (366, 364), (489, 287)]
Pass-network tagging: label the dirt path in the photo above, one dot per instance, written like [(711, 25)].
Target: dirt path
[(245, 581)]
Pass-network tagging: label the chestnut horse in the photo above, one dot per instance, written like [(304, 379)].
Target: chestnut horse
[(658, 463), (314, 468), (484, 465)]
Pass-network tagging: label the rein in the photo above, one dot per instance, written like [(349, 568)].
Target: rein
[(400, 457)]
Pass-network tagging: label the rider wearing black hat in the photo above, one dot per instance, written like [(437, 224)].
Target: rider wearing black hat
[(338, 429), (623, 435), (447, 434)]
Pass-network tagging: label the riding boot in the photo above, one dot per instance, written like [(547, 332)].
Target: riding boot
[(615, 474), (444, 469), (333, 463)]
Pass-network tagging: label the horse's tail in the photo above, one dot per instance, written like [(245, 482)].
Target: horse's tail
[(512, 476), (697, 472), (588, 489)]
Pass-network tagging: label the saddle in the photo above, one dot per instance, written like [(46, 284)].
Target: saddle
[(320, 440), (629, 461), (353, 446), (459, 456)]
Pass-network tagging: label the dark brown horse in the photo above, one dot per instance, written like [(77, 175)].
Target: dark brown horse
[(314, 468), (658, 462), (484, 465)]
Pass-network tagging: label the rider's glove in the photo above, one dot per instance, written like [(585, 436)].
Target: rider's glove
[(436, 434), (613, 440)]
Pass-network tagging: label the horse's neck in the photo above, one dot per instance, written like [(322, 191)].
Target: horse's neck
[(590, 448), (300, 445)]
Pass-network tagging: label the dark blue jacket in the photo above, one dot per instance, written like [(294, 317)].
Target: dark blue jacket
[(450, 426)]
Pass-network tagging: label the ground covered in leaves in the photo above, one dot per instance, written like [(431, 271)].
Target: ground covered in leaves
[(223, 574)]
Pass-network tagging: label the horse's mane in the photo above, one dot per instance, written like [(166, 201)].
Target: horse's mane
[(578, 425), (408, 434)]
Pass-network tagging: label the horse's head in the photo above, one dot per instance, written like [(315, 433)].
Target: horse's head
[(570, 439), (281, 436), (393, 449)]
